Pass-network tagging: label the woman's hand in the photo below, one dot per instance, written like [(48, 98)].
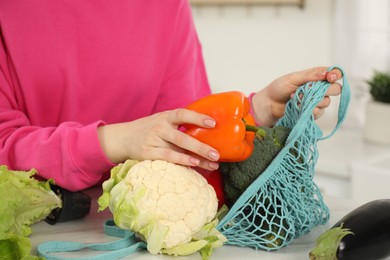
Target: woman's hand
[(269, 103), (158, 137)]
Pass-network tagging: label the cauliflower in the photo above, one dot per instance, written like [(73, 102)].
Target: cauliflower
[(171, 207)]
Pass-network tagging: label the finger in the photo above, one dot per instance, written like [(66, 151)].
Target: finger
[(334, 89), (315, 74), (191, 144), (325, 102), (185, 116), (209, 165), (177, 157), (334, 75), (318, 112), (173, 156), (206, 164), (302, 77)]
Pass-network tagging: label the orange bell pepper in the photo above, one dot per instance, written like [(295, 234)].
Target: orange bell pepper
[(229, 137)]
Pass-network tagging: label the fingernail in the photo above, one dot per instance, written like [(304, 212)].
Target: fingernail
[(209, 122), (333, 77), (213, 155), (194, 161), (214, 165)]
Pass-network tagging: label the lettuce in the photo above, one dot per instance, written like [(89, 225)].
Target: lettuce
[(24, 201)]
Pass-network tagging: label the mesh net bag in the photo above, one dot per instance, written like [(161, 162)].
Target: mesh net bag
[(284, 202)]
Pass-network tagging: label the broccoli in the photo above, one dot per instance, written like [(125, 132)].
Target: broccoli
[(237, 176)]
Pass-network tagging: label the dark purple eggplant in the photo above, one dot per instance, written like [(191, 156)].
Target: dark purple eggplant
[(364, 233)]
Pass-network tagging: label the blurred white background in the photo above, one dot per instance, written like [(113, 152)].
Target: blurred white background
[(247, 46)]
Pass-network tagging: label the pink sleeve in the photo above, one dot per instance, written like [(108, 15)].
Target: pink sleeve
[(185, 75), (59, 152)]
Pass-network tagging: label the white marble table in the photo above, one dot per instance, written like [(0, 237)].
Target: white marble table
[(90, 230)]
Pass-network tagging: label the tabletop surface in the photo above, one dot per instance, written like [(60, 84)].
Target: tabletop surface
[(90, 230)]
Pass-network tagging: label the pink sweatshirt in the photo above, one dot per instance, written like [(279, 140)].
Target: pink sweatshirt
[(69, 66)]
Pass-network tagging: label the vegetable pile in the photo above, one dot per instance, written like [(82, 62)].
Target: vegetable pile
[(170, 207), (238, 171), (364, 233), (174, 208), (24, 201), (245, 150)]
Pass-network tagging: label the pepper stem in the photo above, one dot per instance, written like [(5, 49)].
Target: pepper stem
[(260, 132), (251, 128)]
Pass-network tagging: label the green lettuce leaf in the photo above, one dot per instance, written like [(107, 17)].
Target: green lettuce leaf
[(16, 247), (24, 201)]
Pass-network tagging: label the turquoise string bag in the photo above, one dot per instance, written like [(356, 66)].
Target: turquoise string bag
[(284, 202)]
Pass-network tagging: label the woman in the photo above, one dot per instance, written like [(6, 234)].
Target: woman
[(88, 84)]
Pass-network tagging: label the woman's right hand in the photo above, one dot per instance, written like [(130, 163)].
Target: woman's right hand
[(158, 137)]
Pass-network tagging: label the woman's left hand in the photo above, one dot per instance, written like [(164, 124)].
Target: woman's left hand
[(269, 103)]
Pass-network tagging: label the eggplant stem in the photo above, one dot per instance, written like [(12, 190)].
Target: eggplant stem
[(328, 243)]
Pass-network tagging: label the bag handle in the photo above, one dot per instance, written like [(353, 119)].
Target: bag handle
[(127, 245), (307, 97), (345, 98)]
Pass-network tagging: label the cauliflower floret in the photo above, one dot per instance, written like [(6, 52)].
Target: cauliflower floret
[(165, 203), (182, 210)]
